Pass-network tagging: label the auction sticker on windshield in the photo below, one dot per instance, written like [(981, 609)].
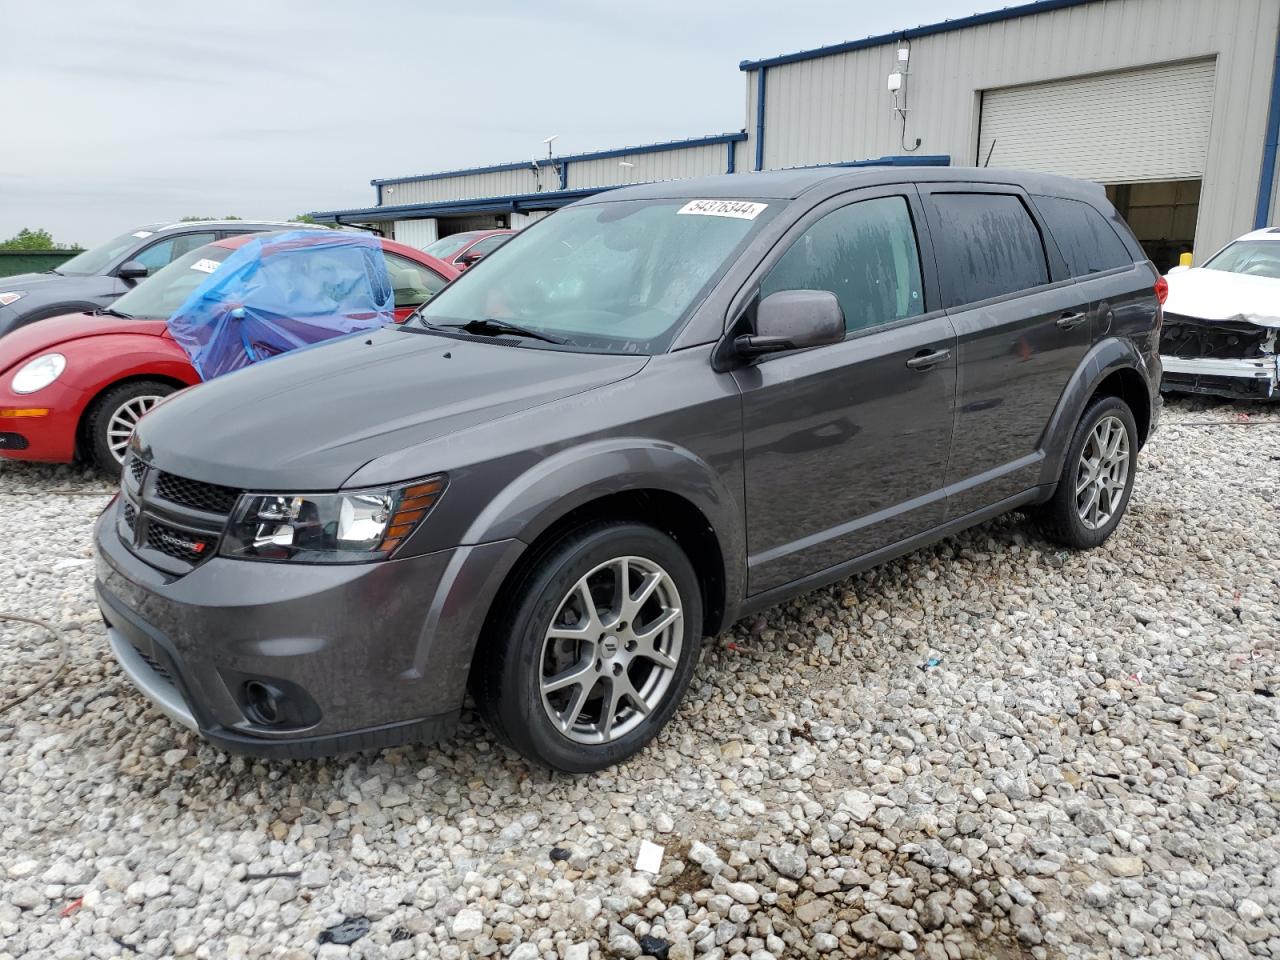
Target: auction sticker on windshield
[(206, 265), (738, 209)]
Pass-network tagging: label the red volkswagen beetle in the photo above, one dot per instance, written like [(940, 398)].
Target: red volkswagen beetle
[(76, 385)]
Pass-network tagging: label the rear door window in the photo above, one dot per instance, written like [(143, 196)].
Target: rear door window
[(166, 251), (1088, 243), (988, 246), (866, 254)]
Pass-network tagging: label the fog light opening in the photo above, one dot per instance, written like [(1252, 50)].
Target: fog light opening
[(264, 702)]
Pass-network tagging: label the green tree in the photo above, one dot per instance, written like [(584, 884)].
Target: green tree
[(303, 218), (26, 239)]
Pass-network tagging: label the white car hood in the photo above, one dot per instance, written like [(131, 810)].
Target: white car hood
[(1219, 295)]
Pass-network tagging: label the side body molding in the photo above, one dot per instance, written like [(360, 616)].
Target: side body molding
[(1106, 357)]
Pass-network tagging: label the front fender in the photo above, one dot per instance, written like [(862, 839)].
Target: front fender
[(1106, 357), (553, 488)]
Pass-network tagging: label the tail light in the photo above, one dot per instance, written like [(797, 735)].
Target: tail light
[(1162, 290)]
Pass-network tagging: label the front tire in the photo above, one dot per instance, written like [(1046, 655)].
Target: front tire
[(1097, 477), (592, 648), (112, 420)]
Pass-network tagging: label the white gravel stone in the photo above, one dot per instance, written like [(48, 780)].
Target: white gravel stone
[(1086, 770)]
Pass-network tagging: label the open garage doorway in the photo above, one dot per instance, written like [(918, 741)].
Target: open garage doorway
[(1162, 216)]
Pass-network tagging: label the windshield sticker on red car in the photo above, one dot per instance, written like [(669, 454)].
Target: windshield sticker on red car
[(142, 234), (206, 265), (738, 209)]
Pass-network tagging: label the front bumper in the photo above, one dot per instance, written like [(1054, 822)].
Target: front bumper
[(379, 651), (49, 437), (1250, 378)]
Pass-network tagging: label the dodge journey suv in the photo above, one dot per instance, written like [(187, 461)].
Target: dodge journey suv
[(654, 412)]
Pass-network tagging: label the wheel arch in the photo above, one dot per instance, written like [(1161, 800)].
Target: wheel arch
[(1114, 367), (661, 484)]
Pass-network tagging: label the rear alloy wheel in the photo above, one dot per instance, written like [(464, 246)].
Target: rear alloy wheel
[(593, 648), (115, 416), (1097, 476)]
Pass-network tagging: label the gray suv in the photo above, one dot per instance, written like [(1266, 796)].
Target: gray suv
[(654, 412)]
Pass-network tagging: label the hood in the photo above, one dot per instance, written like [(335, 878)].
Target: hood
[(306, 421), (30, 281), (45, 335), (1219, 295)]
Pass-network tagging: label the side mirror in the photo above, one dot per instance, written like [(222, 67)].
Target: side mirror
[(467, 259), (1180, 268), (793, 320), (132, 270)]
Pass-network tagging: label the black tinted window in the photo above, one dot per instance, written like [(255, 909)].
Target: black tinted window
[(865, 254), (1086, 240), (988, 246)]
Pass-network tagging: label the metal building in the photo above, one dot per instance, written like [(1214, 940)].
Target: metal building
[(1173, 104)]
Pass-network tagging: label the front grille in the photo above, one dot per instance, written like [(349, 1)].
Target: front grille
[(196, 494), (171, 522), (179, 544)]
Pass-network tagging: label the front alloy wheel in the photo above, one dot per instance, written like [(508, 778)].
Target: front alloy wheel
[(591, 646), (611, 651), (113, 418)]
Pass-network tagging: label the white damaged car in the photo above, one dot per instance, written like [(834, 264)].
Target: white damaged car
[(1222, 322)]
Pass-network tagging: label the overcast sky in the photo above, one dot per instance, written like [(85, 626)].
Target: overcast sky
[(124, 112)]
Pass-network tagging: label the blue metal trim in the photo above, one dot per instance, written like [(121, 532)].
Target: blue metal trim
[(760, 119), (927, 30), (548, 200), (731, 149), (1263, 213), (595, 155)]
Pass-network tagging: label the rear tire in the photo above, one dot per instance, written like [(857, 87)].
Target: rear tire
[(1097, 477), (573, 672), (111, 420)]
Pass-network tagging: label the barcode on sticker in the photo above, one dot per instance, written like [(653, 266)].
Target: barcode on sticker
[(738, 209)]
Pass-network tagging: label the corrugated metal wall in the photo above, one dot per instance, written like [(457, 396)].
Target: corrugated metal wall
[(836, 108), (505, 183), (663, 165)]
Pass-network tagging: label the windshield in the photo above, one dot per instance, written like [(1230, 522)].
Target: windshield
[(446, 247), (1257, 258), (94, 262), (168, 289), (617, 276)]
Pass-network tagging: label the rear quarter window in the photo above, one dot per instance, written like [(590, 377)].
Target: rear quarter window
[(1088, 243), (988, 246)]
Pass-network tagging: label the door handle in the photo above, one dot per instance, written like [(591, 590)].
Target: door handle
[(1069, 320), (927, 359)]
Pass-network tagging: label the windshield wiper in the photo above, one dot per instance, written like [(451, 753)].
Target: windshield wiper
[(490, 327), (111, 311)]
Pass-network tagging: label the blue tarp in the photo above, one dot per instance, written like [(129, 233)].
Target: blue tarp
[(280, 292)]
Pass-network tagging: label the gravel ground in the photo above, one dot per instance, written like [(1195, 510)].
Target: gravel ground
[(987, 749)]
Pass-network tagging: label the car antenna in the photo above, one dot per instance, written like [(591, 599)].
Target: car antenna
[(990, 150)]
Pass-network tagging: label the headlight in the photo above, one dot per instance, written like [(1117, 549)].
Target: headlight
[(354, 526), (11, 296), (39, 373)]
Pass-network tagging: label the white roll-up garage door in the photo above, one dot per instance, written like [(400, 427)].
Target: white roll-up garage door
[(1149, 124)]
